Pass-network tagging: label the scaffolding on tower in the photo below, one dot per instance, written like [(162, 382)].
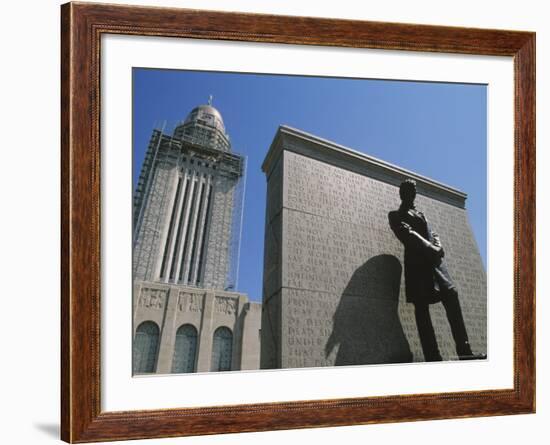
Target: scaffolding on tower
[(165, 148), (232, 280)]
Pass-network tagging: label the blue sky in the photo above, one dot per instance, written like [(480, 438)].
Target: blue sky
[(435, 129)]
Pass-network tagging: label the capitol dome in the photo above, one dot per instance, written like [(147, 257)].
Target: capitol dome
[(208, 114), (204, 127)]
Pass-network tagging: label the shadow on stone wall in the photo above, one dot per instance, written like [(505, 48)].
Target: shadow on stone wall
[(366, 325)]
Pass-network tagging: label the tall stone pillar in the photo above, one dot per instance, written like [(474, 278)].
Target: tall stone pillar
[(168, 334), (205, 333), (333, 291)]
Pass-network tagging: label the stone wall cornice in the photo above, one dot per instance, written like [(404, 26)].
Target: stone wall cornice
[(300, 142)]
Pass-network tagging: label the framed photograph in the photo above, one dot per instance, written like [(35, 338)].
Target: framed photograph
[(274, 222)]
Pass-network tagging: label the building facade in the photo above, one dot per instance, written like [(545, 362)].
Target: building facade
[(187, 221)]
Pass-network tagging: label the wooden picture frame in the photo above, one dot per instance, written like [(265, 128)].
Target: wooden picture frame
[(82, 25)]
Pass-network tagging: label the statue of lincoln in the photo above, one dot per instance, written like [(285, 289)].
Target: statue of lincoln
[(427, 280)]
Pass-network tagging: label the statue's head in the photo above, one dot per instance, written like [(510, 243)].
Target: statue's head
[(407, 191)]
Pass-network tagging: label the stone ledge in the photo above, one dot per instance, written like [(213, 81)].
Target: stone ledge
[(297, 141)]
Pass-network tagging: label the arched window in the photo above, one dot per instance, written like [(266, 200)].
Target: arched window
[(146, 343), (222, 350), (185, 349)]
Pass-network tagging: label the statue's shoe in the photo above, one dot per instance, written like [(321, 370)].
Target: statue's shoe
[(472, 356)]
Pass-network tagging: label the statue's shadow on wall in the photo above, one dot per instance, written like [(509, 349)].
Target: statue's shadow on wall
[(366, 324)]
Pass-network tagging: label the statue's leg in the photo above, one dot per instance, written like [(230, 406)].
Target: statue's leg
[(426, 333), (456, 320)]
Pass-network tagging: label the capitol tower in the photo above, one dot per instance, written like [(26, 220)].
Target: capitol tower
[(188, 207)]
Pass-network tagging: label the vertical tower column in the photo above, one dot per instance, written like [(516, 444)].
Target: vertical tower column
[(183, 227), (204, 253), (170, 251), (202, 228), (192, 228), (167, 238)]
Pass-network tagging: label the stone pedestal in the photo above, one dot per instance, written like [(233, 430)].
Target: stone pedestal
[(334, 291)]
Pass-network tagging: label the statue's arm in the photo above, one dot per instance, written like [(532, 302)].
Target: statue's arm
[(437, 242), (398, 227), (403, 231), (434, 239), (431, 248), (410, 238)]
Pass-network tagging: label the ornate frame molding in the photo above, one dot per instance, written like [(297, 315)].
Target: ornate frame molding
[(82, 25)]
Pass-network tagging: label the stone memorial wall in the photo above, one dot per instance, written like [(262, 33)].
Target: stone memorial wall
[(333, 270)]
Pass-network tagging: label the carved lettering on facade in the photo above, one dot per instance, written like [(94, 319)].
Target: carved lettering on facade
[(225, 305), (152, 298), (188, 302)]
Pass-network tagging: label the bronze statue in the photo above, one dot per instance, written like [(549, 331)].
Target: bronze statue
[(427, 280)]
